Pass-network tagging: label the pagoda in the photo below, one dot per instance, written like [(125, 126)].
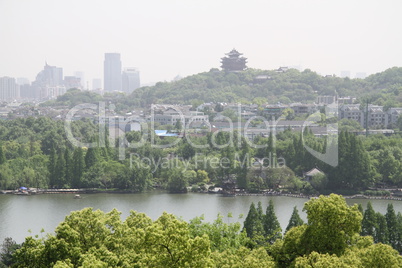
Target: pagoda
[(233, 62)]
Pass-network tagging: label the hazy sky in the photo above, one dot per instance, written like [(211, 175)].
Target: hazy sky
[(165, 38)]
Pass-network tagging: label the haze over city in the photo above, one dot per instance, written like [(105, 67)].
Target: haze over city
[(169, 38)]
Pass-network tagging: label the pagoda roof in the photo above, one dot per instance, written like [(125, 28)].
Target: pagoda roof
[(234, 52)]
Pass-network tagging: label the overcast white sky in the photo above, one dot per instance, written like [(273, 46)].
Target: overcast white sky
[(165, 38)]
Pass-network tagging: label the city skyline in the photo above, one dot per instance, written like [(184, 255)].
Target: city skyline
[(169, 38)]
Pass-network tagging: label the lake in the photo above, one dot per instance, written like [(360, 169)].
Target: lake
[(19, 214)]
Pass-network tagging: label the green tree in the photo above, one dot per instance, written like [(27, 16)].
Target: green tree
[(381, 234), (178, 126), (392, 225), (177, 183), (317, 260), (2, 154), (92, 177), (399, 245), (278, 177), (169, 244), (369, 222), (202, 176), (243, 257), (92, 157), (331, 224), (294, 220), (380, 255), (186, 150), (388, 166), (68, 168), (60, 170), (52, 167), (319, 181), (272, 228), (222, 235), (253, 224), (349, 125), (140, 179), (360, 207), (77, 167), (270, 152), (8, 248), (244, 165)]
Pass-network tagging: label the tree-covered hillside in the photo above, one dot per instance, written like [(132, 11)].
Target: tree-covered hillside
[(289, 86), (218, 86)]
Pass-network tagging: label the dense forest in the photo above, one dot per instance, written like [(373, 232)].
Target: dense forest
[(218, 86), (35, 152), (332, 237)]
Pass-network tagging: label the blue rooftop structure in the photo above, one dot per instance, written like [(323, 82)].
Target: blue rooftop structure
[(164, 133)]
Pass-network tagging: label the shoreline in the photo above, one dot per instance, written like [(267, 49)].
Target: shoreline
[(97, 191), (357, 196)]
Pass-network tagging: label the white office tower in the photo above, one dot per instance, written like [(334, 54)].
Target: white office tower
[(112, 72), (130, 79), (9, 90)]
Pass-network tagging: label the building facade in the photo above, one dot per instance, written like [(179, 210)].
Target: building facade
[(112, 72), (351, 112), (9, 90), (130, 79), (172, 115), (49, 83)]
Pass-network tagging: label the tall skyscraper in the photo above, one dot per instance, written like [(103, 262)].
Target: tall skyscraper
[(130, 79), (112, 72), (9, 90)]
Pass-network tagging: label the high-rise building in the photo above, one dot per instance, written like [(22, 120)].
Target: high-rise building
[(49, 83), (27, 92), (50, 75), (112, 72), (9, 90), (72, 82), (81, 76), (23, 81), (130, 79)]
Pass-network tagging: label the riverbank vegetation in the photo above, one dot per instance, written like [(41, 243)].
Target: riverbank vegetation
[(35, 152), (331, 237)]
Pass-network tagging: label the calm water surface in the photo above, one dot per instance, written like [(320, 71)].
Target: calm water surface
[(19, 214)]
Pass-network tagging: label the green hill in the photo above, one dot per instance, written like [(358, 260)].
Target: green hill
[(252, 86), (289, 86)]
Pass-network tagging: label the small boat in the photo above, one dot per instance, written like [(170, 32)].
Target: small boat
[(77, 196)]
